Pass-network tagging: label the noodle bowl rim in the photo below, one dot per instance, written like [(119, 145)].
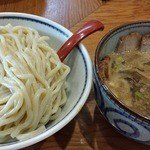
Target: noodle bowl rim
[(87, 85)]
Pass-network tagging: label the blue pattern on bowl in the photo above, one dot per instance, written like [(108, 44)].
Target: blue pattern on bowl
[(125, 121)]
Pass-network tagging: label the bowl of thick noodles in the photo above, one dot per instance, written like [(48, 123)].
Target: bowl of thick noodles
[(39, 94), (122, 79)]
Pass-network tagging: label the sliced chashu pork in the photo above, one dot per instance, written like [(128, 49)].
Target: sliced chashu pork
[(129, 42), (145, 43)]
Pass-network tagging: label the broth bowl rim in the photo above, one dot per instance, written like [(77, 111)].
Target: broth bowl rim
[(101, 81)]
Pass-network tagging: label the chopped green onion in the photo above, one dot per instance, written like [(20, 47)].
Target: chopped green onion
[(117, 63), (120, 59), (139, 94)]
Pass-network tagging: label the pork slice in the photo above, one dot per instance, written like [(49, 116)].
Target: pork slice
[(145, 43), (129, 42), (104, 68)]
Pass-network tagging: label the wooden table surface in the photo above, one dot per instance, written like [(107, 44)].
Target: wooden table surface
[(88, 130)]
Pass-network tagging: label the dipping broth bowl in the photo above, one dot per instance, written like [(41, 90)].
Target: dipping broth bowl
[(127, 122), (79, 79)]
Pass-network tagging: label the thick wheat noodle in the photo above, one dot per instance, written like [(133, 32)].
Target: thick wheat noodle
[(32, 83)]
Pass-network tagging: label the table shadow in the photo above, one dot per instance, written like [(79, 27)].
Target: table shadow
[(86, 125), (97, 132), (63, 137), (111, 136), (85, 121)]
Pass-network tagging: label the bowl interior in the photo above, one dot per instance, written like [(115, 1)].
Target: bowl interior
[(79, 79)]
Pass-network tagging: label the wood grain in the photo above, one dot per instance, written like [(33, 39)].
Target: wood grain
[(65, 12), (88, 130), (114, 13)]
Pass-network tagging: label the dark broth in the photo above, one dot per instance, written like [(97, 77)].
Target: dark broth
[(127, 74)]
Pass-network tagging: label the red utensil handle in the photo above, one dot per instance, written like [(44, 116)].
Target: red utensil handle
[(89, 28)]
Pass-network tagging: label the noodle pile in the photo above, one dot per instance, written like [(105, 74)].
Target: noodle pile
[(32, 83)]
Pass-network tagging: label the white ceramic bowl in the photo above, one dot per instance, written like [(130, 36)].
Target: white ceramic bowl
[(79, 79)]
